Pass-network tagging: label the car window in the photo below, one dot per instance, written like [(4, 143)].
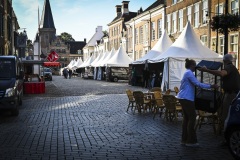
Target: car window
[(47, 70)]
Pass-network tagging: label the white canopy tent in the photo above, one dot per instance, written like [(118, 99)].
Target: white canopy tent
[(186, 46), (162, 45), (105, 60), (77, 64), (96, 60), (97, 64), (87, 63), (119, 59)]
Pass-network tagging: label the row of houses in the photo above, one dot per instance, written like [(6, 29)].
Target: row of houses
[(139, 31)]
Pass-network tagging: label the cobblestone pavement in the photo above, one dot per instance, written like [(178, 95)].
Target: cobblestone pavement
[(87, 119)]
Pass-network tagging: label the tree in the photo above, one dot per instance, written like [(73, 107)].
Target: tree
[(66, 37)]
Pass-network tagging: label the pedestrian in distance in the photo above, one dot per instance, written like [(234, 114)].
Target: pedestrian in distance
[(186, 99), (70, 73), (134, 76), (65, 73), (230, 84), (146, 76), (153, 79)]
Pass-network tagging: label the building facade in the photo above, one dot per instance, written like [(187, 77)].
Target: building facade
[(8, 24)]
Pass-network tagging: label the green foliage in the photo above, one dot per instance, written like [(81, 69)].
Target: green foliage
[(66, 37), (231, 22)]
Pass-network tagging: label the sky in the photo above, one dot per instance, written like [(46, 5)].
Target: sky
[(79, 18)]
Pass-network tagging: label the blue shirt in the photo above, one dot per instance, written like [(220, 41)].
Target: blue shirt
[(187, 87)]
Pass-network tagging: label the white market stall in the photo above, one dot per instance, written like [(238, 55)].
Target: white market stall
[(186, 46)]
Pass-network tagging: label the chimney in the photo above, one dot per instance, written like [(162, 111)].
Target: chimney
[(85, 40), (125, 7), (118, 9), (99, 29)]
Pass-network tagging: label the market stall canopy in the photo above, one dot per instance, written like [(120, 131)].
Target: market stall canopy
[(105, 60), (162, 45), (119, 59), (77, 64), (97, 64), (51, 64), (88, 62), (188, 45), (96, 60)]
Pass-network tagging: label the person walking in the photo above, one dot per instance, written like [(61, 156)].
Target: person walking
[(186, 99), (70, 73), (230, 84)]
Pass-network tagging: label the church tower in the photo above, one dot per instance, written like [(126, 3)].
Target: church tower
[(47, 30)]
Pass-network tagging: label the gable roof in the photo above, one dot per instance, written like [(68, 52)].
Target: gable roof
[(75, 46), (154, 5), (126, 17), (47, 18)]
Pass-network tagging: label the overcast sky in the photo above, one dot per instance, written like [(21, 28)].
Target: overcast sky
[(79, 18)]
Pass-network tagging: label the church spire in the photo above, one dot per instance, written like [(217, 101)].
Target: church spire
[(47, 18)]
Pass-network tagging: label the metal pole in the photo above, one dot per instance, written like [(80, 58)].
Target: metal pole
[(217, 29), (226, 31)]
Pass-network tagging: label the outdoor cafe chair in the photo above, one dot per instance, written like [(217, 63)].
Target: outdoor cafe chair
[(170, 102), (176, 90), (168, 92), (158, 105), (131, 100), (142, 103), (155, 89)]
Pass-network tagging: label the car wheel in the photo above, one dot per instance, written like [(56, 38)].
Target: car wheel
[(234, 142), (115, 79)]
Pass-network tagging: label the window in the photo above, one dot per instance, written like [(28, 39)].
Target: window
[(196, 15), (141, 35), (189, 14), (221, 45), (136, 34), (220, 9), (169, 23), (204, 11), (1, 24), (234, 43), (145, 36), (174, 22), (153, 30), (180, 21), (213, 44), (204, 40), (159, 28), (234, 6)]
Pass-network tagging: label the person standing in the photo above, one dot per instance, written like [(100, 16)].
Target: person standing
[(186, 99), (70, 73), (230, 83), (153, 79), (145, 77), (134, 76)]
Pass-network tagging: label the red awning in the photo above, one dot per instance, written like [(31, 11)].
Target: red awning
[(51, 64)]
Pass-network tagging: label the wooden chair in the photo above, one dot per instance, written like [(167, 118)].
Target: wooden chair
[(158, 104), (170, 102), (155, 89), (131, 100), (168, 92), (207, 118), (141, 101), (176, 90)]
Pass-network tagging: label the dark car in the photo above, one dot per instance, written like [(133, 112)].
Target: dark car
[(116, 73), (232, 127), (11, 83), (47, 73)]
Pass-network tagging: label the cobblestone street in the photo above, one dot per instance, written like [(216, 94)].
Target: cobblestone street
[(87, 119)]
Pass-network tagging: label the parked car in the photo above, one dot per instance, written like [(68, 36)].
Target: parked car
[(232, 127), (117, 73), (11, 83), (47, 73)]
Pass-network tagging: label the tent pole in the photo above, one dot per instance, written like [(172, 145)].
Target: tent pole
[(168, 74)]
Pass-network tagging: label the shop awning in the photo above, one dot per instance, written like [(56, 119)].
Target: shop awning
[(51, 64)]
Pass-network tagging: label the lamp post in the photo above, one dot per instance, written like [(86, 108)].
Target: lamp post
[(226, 31)]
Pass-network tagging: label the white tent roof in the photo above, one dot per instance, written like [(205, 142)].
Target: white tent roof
[(97, 64), (162, 45), (88, 62), (187, 45), (96, 60), (109, 56), (77, 64), (119, 59), (97, 36)]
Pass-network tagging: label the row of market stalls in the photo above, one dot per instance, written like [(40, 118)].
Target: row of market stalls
[(165, 58)]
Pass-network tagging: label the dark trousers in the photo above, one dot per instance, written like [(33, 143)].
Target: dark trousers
[(189, 118), (145, 82)]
